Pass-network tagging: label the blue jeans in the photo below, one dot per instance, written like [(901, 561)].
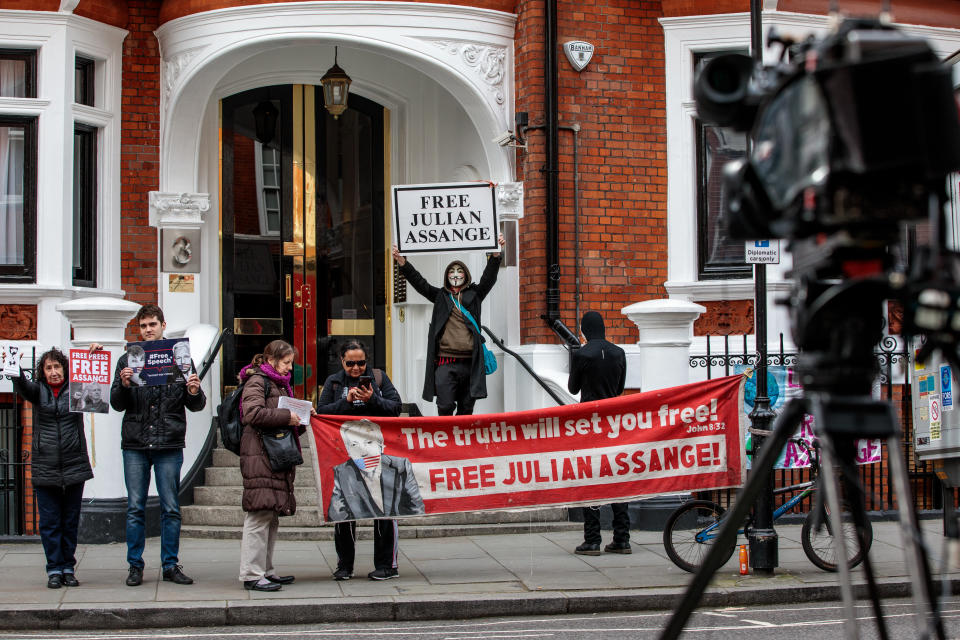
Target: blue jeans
[(136, 475), (58, 509)]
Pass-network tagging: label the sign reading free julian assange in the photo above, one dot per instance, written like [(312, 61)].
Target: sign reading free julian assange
[(437, 218)]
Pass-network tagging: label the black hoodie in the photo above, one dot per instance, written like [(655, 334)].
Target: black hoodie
[(598, 369)]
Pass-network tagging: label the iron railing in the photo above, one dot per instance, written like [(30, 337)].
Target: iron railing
[(890, 353)]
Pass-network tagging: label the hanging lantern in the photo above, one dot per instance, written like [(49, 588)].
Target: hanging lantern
[(336, 86)]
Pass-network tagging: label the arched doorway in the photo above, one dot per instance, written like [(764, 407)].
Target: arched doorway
[(304, 245)]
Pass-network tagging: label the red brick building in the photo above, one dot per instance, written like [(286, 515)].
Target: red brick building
[(129, 127)]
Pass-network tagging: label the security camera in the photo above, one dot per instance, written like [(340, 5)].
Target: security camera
[(504, 138)]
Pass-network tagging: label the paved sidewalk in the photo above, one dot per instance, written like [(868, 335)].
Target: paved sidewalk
[(440, 578)]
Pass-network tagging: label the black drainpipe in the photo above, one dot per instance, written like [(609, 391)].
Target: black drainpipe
[(550, 170)]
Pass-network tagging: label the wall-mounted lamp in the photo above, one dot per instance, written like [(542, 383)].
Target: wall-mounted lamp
[(336, 87), (265, 121)]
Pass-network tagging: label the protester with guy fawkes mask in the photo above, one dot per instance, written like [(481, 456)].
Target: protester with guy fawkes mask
[(455, 371)]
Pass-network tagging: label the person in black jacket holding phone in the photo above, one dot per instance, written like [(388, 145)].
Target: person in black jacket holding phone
[(60, 465), (455, 371), (354, 392)]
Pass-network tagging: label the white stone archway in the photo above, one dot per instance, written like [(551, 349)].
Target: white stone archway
[(444, 73), (467, 51)]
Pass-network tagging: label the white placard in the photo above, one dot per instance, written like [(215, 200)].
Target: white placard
[(762, 252), (300, 407), (440, 218), (11, 359)]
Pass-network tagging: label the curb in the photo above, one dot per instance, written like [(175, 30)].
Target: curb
[(407, 608)]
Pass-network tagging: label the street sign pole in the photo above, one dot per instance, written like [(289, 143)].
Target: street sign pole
[(762, 536)]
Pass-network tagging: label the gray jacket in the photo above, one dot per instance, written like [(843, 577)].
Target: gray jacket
[(352, 500)]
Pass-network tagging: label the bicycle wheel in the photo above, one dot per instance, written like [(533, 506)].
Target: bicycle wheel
[(690, 533), (818, 543)]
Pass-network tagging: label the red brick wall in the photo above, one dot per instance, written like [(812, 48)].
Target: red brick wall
[(245, 209), (139, 154), (619, 103)]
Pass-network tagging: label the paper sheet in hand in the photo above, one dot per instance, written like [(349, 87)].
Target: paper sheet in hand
[(300, 407)]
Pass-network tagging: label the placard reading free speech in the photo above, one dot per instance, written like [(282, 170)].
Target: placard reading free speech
[(438, 218), (159, 362)]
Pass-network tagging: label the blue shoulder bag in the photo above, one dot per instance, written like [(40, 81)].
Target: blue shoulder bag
[(489, 360)]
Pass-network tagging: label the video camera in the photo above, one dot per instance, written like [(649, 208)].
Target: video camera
[(850, 137), (848, 133)]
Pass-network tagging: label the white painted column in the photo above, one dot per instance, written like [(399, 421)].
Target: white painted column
[(666, 331), (184, 212), (102, 320)]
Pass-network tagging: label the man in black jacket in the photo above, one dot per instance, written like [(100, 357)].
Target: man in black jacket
[(598, 370), (455, 371), (153, 432)]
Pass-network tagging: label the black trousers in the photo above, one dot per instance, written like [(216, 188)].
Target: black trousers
[(385, 547), (58, 509), (621, 523), (452, 387)]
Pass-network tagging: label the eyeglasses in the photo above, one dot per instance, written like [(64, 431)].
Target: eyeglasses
[(354, 363)]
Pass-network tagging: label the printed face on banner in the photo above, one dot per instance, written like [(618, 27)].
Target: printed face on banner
[(362, 439), (688, 438)]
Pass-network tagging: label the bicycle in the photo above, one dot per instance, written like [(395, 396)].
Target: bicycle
[(692, 528)]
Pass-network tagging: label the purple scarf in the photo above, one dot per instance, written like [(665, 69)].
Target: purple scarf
[(264, 367)]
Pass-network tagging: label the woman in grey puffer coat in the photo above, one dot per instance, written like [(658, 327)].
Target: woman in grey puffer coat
[(59, 463)]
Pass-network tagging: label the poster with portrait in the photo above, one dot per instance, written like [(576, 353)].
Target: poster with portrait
[(159, 362), (89, 383)]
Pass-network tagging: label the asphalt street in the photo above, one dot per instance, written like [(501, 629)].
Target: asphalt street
[(823, 621)]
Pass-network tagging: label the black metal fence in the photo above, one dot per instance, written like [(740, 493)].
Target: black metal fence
[(722, 359), (17, 513)]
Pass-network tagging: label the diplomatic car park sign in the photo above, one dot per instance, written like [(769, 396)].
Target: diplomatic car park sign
[(762, 251), (439, 218)]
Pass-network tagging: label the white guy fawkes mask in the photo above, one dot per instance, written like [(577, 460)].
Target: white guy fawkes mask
[(456, 276)]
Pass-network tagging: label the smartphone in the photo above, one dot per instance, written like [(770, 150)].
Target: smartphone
[(365, 381)]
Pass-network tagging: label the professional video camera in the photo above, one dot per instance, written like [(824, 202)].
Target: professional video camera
[(850, 140), (848, 133), (850, 137)]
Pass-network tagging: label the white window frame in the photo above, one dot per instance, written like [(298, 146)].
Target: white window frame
[(58, 39), (265, 229)]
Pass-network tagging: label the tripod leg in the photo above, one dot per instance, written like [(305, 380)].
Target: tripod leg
[(913, 550), (786, 425), (828, 481)]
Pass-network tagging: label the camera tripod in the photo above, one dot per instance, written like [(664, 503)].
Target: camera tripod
[(840, 420)]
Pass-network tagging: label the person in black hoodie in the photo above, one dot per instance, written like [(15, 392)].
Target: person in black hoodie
[(598, 370), (60, 465), (455, 372), (352, 392)]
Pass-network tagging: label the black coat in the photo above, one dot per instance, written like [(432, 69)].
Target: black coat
[(470, 298), (59, 451), (154, 419), (598, 370), (384, 402)]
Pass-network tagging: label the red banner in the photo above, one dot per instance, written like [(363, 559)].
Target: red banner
[(686, 438)]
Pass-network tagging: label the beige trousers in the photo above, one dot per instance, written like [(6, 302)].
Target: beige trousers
[(256, 549)]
